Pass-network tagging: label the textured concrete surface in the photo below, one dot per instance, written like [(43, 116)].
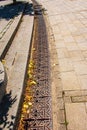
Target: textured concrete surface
[(68, 23), (78, 121), (9, 34), (15, 64), (7, 14)]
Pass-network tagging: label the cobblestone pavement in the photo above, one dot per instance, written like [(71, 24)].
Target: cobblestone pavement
[(68, 20)]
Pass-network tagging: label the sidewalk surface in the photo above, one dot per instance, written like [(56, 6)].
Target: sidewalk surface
[(68, 19)]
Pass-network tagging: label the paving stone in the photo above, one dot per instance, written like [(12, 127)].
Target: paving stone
[(77, 99), (60, 44), (85, 35), (63, 53), (67, 99), (76, 116), (78, 24), (63, 26), (62, 127), (86, 106), (76, 55), (58, 37), (59, 93), (68, 38), (83, 45), (65, 64), (54, 109), (84, 53), (76, 32), (58, 84), (83, 80), (55, 66), (72, 27), (75, 93), (80, 67), (70, 81), (71, 46), (65, 33), (61, 117), (60, 104), (82, 30), (79, 38), (56, 30)]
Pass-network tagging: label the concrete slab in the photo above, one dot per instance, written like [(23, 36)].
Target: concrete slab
[(62, 53), (70, 81), (76, 116), (60, 44), (76, 56), (83, 80), (80, 67), (72, 46), (65, 65)]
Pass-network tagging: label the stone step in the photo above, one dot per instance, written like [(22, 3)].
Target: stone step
[(16, 71), (6, 40)]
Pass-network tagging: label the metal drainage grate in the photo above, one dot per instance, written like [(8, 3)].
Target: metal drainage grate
[(40, 117)]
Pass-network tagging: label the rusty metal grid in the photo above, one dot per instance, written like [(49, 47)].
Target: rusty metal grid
[(40, 117)]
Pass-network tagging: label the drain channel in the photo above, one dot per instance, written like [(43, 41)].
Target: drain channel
[(39, 116)]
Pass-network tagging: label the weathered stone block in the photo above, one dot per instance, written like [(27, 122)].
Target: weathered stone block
[(76, 116)]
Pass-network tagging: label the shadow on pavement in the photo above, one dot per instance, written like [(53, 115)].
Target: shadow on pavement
[(11, 10), (5, 105)]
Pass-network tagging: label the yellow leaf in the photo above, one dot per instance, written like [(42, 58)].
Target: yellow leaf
[(24, 111), (28, 111), (30, 65), (28, 97), (33, 49), (29, 103), (32, 83), (25, 106), (3, 62), (30, 71), (30, 75), (22, 116)]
